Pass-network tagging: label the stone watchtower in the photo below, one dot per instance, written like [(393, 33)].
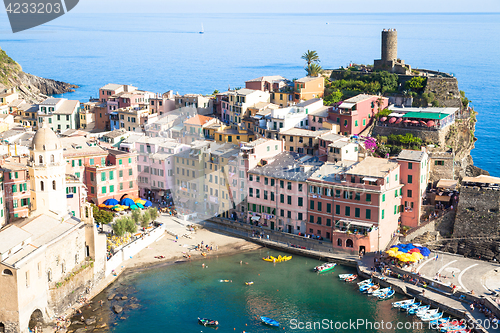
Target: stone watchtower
[(389, 60), (389, 45)]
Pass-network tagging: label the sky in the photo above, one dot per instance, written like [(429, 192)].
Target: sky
[(288, 6)]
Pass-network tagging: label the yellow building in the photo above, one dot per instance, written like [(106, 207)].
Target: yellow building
[(283, 99), (302, 141), (229, 134), (309, 87)]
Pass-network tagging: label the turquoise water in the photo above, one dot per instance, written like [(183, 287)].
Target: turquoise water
[(159, 52), (173, 297)]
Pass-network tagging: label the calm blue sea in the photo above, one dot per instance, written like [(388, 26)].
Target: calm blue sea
[(162, 52)]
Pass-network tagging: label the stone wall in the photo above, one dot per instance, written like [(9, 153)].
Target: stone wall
[(445, 89), (425, 135), (441, 166)]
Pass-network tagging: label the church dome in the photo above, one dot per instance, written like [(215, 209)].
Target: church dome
[(45, 139)]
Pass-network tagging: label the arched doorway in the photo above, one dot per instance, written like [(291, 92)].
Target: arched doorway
[(339, 242), (36, 319), (349, 243), (2, 328)]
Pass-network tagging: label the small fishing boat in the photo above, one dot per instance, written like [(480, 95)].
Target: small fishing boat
[(416, 310), (365, 287), (401, 303), (351, 278), (407, 307), (207, 322), (325, 267), (364, 282), (386, 295), (269, 321), (202, 31), (379, 292), (372, 289), (427, 313), (344, 276), (249, 283), (454, 326), (226, 281), (437, 322), (434, 316)]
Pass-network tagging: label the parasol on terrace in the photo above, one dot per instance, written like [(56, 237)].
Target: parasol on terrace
[(392, 120), (407, 121), (399, 121), (423, 122), (383, 119), (415, 122), (430, 123)]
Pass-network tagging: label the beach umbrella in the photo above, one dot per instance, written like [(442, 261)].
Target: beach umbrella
[(399, 120), (416, 256), (414, 250), (424, 251), (138, 204), (102, 206), (407, 121), (148, 203), (423, 122), (127, 202), (111, 202), (383, 119), (134, 207), (430, 123), (415, 122), (392, 120), (141, 201)]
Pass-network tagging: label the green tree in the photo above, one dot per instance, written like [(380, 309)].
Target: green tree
[(215, 92), (332, 98), (416, 84), (153, 213), (136, 215), (102, 216), (145, 218), (119, 227), (310, 57), (130, 225), (314, 69)]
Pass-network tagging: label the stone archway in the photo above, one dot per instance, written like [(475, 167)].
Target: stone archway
[(349, 243), (2, 327), (36, 319)]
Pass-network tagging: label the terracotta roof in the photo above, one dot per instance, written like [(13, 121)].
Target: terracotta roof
[(198, 120)]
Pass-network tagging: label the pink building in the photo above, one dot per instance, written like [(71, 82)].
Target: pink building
[(356, 113), (355, 205), (277, 192), (267, 83), (155, 165), (414, 166)]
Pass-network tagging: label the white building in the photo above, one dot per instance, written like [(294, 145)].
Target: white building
[(60, 113)]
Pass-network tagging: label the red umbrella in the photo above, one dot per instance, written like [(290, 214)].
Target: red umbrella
[(399, 120), (423, 122), (407, 121), (430, 123), (415, 122), (383, 119), (392, 120)]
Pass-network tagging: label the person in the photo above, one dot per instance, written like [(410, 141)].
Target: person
[(472, 292)]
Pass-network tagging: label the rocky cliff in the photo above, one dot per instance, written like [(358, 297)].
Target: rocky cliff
[(30, 87)]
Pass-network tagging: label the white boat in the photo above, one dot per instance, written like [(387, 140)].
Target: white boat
[(345, 276), (362, 283), (432, 317), (401, 303), (365, 287), (373, 289), (380, 291), (202, 31), (427, 313)]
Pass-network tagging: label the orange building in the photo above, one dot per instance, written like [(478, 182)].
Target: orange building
[(309, 87)]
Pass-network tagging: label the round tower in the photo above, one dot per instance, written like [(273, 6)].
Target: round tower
[(47, 172), (389, 45)]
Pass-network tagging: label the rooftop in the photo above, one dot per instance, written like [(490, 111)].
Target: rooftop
[(481, 179), (332, 137), (373, 167), (308, 79), (329, 171), (112, 86), (51, 101), (406, 110), (270, 78), (304, 132), (78, 146), (115, 134), (289, 166), (244, 91), (411, 155), (321, 112), (308, 102), (198, 120), (67, 107), (359, 98)]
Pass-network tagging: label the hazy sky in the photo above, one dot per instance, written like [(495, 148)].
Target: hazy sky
[(287, 6)]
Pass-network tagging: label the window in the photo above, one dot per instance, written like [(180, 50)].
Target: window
[(289, 200), (395, 209), (131, 184), (266, 181), (368, 214), (130, 172), (272, 196), (42, 186), (410, 179), (92, 190), (357, 212), (318, 220), (337, 209), (103, 176), (120, 173), (121, 186), (282, 184), (300, 187), (311, 204), (299, 216), (282, 198), (103, 190), (111, 188), (250, 191), (319, 206), (328, 208), (289, 186), (120, 162), (438, 162), (409, 193), (257, 193), (357, 196), (14, 188), (383, 197), (91, 162), (54, 185), (272, 181), (347, 211), (300, 202), (395, 193), (111, 175), (383, 213)]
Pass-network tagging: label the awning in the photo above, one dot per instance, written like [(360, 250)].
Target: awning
[(370, 179), (426, 115), (447, 183), (444, 198), (255, 218), (395, 114), (361, 224), (345, 105)]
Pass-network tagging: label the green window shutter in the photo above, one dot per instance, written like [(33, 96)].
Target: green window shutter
[(80, 162), (111, 188), (383, 213), (121, 186), (337, 209), (103, 176), (368, 214), (10, 175), (395, 209), (92, 189), (368, 197), (396, 193), (120, 173), (103, 161), (401, 191), (383, 197), (130, 159), (103, 190), (14, 188), (73, 163), (77, 174), (28, 201), (17, 175), (120, 161), (357, 212), (130, 172), (131, 184), (67, 190), (111, 175), (91, 161)]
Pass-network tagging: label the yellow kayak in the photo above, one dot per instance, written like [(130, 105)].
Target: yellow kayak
[(278, 259)]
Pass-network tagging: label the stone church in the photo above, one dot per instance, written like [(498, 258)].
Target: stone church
[(51, 258)]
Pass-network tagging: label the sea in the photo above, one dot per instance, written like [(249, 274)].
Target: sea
[(161, 52), (172, 298)]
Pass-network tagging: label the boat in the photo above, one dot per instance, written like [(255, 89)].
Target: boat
[(249, 283), (364, 282), (207, 322), (365, 287), (455, 326), (269, 321), (379, 292), (351, 278), (437, 322), (202, 31), (434, 316), (413, 311), (277, 259), (328, 266), (344, 276), (386, 295), (401, 303), (372, 289), (407, 307), (226, 281), (427, 313)]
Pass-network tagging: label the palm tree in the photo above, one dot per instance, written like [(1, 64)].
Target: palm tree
[(314, 70), (310, 57)]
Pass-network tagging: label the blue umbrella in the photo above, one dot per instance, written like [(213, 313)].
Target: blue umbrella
[(127, 202), (148, 203), (111, 202)]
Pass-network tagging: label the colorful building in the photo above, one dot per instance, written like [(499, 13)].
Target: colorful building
[(309, 87), (415, 177), (302, 141), (356, 205), (16, 188), (60, 113), (355, 114), (195, 128), (267, 83), (235, 103)]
